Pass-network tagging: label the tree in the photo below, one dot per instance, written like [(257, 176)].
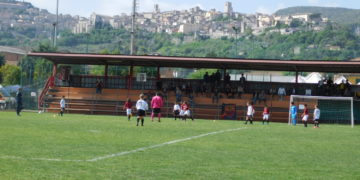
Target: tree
[(199, 74), (295, 23), (10, 74), (2, 60)]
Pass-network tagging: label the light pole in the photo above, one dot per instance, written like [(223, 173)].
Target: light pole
[(56, 23), (132, 43), (236, 29)]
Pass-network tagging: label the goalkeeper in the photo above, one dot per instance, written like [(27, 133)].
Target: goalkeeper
[(293, 113)]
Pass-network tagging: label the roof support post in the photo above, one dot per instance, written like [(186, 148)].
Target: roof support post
[(106, 74), (54, 72), (130, 77), (224, 75), (158, 73)]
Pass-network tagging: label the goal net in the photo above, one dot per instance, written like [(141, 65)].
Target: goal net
[(337, 110)]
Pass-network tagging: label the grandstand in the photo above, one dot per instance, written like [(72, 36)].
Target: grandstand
[(79, 90)]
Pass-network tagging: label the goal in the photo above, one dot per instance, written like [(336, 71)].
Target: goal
[(339, 110)]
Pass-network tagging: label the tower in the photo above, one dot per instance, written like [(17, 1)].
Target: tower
[(156, 8), (228, 9)]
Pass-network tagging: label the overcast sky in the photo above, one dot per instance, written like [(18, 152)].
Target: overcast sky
[(115, 7)]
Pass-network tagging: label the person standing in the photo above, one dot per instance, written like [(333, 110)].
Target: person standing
[(99, 86), (305, 115), (293, 112), (316, 116), (142, 107), (62, 106), (156, 105), (176, 110), (266, 115), (128, 106), (250, 112), (19, 104)]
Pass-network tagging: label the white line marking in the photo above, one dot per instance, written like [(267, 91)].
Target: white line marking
[(127, 152)]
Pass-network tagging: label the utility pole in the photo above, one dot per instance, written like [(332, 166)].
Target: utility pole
[(132, 43), (56, 23), (236, 29)]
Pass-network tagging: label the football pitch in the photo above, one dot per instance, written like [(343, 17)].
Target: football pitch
[(45, 146)]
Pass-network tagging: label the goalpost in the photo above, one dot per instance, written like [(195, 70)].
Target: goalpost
[(333, 109)]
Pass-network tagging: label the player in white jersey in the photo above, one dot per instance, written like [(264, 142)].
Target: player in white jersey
[(316, 116), (176, 110), (250, 112), (142, 107), (62, 106)]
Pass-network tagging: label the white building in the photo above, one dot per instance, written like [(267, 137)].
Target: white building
[(189, 28), (83, 26)]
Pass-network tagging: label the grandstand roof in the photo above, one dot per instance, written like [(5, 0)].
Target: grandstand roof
[(197, 62)]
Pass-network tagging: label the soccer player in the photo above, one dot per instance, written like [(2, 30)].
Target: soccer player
[(266, 114), (305, 115), (176, 110), (316, 116), (128, 106), (141, 107), (185, 111), (250, 112), (18, 101), (293, 112), (156, 104), (62, 106)]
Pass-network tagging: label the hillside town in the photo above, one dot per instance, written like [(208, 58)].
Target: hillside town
[(211, 23)]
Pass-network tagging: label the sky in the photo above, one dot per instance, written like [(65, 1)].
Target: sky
[(115, 7)]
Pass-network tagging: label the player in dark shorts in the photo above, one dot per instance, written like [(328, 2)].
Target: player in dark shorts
[(156, 104), (141, 107)]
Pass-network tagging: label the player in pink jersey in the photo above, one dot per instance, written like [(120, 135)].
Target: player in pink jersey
[(156, 105)]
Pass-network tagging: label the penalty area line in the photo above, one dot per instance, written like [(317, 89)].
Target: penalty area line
[(127, 152)]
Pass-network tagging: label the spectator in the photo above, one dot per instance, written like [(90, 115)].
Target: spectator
[(281, 93), (347, 92), (217, 76), (342, 88), (255, 97), (206, 78), (159, 85), (189, 89), (99, 86), (178, 94), (262, 97), (227, 90), (227, 78), (240, 91), (347, 84), (233, 91), (215, 98), (272, 91), (183, 87), (242, 80)]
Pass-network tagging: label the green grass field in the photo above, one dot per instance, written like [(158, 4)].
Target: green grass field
[(41, 146)]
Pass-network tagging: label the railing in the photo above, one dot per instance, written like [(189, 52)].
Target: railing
[(49, 83), (121, 82)]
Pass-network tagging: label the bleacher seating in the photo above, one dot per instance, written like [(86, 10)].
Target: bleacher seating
[(110, 102)]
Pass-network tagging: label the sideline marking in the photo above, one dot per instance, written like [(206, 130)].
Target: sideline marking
[(127, 152)]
